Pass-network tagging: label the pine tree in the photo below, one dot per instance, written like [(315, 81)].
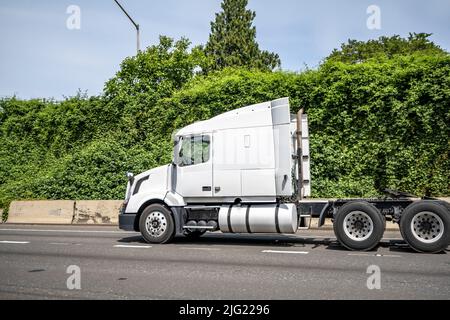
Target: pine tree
[(232, 41)]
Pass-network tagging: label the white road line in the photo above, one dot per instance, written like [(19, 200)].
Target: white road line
[(131, 246), (205, 249), (15, 242), (279, 251), (67, 230), (389, 255), (374, 255)]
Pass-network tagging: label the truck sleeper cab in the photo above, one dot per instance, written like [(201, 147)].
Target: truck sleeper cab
[(248, 171)]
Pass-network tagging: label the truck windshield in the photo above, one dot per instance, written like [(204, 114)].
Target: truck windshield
[(194, 150)]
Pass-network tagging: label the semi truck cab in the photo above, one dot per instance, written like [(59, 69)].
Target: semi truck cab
[(248, 171)]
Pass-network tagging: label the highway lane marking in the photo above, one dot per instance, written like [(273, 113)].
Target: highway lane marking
[(15, 242), (388, 255), (280, 251), (360, 254), (374, 255), (205, 249), (68, 231), (131, 246), (64, 244)]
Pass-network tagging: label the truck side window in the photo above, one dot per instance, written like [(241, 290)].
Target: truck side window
[(194, 150)]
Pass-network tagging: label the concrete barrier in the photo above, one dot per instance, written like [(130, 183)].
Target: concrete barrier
[(97, 212), (92, 212), (41, 212), (1, 215)]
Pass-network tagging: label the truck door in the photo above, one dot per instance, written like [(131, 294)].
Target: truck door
[(194, 169)]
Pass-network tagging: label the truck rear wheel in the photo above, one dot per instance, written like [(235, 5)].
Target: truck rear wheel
[(425, 226), (359, 226), (156, 224)]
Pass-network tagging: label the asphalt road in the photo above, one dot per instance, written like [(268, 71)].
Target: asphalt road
[(119, 265)]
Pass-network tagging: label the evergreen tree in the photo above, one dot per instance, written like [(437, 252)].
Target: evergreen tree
[(232, 41)]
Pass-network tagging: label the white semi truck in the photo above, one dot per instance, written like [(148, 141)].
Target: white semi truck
[(248, 171)]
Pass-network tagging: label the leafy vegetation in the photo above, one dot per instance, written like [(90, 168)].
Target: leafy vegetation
[(379, 118), (385, 47)]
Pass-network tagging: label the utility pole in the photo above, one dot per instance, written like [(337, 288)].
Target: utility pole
[(134, 23)]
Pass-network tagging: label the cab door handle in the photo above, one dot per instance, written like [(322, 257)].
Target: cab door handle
[(206, 188)]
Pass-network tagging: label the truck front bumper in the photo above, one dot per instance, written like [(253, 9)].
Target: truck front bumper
[(126, 221)]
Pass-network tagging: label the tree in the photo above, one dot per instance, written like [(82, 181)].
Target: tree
[(157, 71), (154, 74), (232, 41), (385, 47)]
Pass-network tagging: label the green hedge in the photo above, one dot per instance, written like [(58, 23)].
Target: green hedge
[(377, 124)]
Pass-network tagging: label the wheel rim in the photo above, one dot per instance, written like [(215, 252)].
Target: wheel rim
[(427, 227), (156, 224), (358, 226)]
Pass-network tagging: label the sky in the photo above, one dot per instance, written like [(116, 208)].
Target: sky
[(40, 57)]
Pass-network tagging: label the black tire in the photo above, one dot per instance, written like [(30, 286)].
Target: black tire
[(368, 223), (160, 226), (425, 226), (193, 235)]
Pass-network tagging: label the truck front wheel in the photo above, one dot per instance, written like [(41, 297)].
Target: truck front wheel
[(425, 226), (359, 226), (156, 224)]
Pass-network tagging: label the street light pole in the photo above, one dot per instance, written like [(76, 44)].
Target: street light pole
[(134, 23)]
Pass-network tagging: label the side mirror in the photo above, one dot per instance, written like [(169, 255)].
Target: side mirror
[(130, 177)]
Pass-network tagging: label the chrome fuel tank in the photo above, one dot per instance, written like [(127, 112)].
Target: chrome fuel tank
[(261, 218)]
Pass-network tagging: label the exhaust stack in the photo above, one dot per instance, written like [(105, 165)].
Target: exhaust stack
[(299, 155)]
